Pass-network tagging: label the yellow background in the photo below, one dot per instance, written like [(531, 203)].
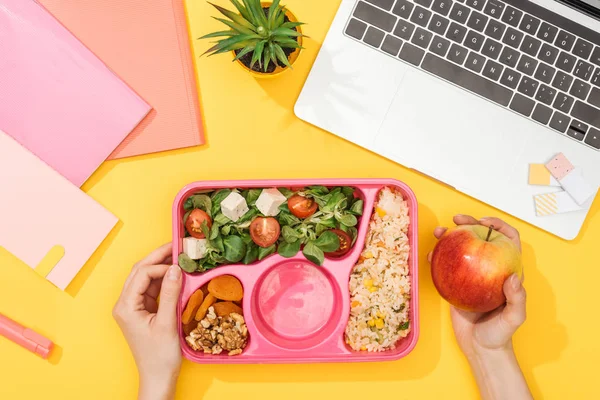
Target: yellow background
[(253, 133)]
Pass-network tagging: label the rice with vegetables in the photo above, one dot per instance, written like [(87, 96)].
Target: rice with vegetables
[(380, 282)]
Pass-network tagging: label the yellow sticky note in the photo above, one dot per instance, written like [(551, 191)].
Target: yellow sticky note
[(539, 175)]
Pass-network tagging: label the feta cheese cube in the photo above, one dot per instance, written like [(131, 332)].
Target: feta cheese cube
[(234, 206), (195, 248), (269, 201)]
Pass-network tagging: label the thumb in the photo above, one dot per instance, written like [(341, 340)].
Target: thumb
[(169, 296), (514, 313)]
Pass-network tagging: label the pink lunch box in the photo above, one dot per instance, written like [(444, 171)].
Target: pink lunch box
[(295, 311)]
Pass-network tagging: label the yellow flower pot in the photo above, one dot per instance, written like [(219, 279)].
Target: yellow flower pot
[(291, 58)]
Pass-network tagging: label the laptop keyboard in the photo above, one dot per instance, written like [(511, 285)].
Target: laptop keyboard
[(514, 53)]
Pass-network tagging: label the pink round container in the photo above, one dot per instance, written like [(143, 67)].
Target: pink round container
[(295, 311)]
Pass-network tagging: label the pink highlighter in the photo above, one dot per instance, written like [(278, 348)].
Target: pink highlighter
[(25, 337)]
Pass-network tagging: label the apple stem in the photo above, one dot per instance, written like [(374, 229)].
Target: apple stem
[(487, 239)]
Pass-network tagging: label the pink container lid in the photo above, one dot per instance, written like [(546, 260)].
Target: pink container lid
[(295, 311)]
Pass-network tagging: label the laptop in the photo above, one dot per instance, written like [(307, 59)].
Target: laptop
[(469, 92)]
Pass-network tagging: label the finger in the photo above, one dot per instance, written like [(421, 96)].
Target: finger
[(464, 220), (154, 288), (143, 277), (504, 228), (158, 256), (439, 231), (514, 314), (169, 296), (429, 256)]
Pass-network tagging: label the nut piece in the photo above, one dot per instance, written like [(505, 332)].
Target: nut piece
[(216, 334)]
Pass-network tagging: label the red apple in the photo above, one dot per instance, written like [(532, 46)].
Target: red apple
[(470, 264)]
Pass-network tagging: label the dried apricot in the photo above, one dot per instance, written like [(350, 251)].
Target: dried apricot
[(209, 300), (226, 287), (192, 307), (205, 289), (224, 308), (189, 327)]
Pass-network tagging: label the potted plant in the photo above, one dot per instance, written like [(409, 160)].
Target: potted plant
[(265, 38)]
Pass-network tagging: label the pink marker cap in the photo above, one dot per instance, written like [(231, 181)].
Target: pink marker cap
[(25, 337)]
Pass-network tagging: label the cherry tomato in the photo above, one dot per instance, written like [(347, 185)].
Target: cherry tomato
[(345, 244), (194, 223), (302, 207), (265, 231)]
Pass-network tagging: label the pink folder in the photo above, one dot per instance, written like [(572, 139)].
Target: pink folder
[(56, 97), (40, 209), (146, 43)]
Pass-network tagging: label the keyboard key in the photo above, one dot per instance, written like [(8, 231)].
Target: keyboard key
[(580, 89), (583, 70), (593, 138), (422, 38), (424, 3), (586, 113), (579, 126), (404, 29), (596, 56), (527, 65), (560, 122), (548, 54), (510, 78), (542, 114), (563, 103), (385, 4), (475, 62), (494, 8), (513, 38), (509, 57), (476, 4), (547, 32), (457, 54), (459, 13), (477, 21), (421, 16), (565, 40), (403, 8), (576, 133), (491, 48), (545, 94), (562, 81), (456, 32), (594, 98), (544, 73), (442, 6), (512, 16), (529, 24), (466, 79), (522, 105), (411, 54), (565, 61), (596, 77), (474, 40), (492, 70), (495, 29), (528, 86), (356, 28), (583, 49), (530, 45), (439, 46), (375, 16), (391, 45), (438, 24), (374, 37)]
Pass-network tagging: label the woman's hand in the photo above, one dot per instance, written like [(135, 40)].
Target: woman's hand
[(486, 338), (149, 328)]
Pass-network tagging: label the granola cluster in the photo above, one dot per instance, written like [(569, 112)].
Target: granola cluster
[(216, 334)]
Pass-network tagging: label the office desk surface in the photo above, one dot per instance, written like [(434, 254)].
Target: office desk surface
[(253, 133)]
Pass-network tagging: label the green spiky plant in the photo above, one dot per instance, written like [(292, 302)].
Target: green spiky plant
[(268, 35)]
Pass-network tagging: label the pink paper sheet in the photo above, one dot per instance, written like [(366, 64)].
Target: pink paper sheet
[(146, 43), (40, 209), (56, 97)]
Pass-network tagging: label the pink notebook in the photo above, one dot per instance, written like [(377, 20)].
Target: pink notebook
[(40, 209), (146, 43), (56, 97)]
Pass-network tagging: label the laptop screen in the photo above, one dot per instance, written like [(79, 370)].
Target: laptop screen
[(593, 3), (591, 7)]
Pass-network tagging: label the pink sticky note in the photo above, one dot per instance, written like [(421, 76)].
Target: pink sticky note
[(56, 97), (560, 166), (40, 209)]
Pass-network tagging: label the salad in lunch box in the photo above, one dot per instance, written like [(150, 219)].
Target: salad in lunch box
[(229, 226)]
